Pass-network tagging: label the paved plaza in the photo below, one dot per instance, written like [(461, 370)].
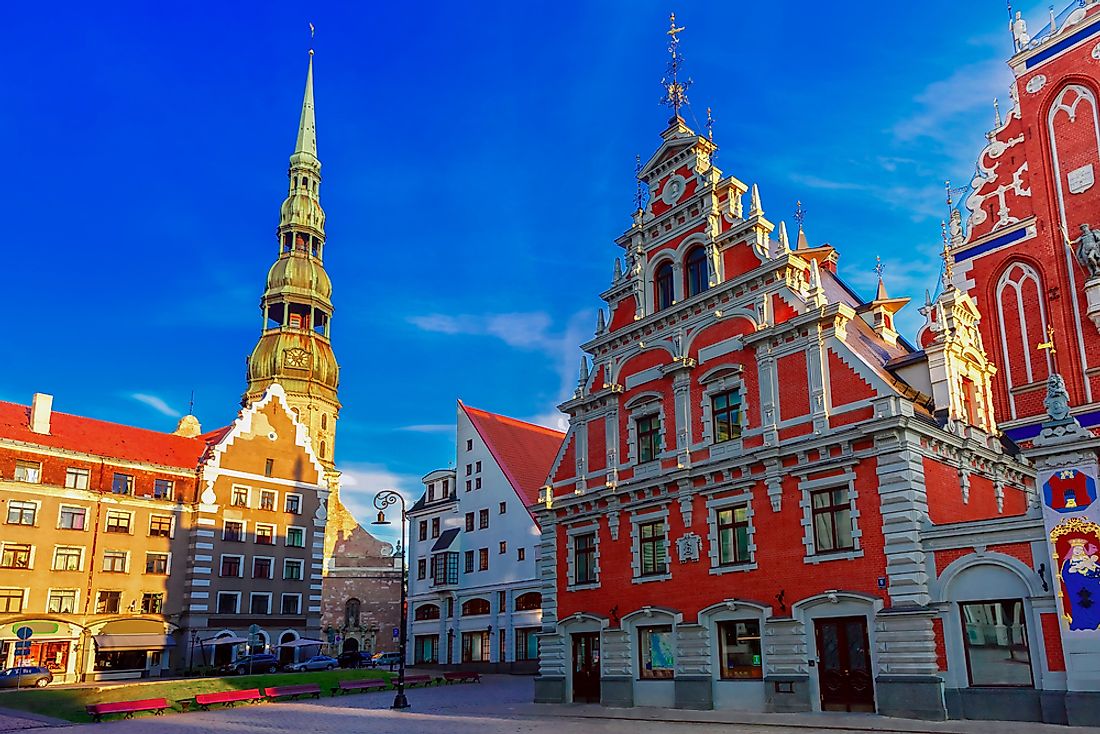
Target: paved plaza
[(502, 704)]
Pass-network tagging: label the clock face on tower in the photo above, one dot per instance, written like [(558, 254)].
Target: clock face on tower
[(298, 358)]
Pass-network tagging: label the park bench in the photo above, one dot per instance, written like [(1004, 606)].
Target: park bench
[(228, 698), (98, 710), (462, 676), (294, 692), (364, 684), (417, 680)]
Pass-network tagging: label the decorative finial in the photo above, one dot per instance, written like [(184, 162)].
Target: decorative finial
[(784, 241), (710, 126), (675, 90), (1053, 21), (191, 405), (948, 258), (639, 193), (799, 214), (601, 322), (754, 203), (312, 30), (880, 267), (997, 112)]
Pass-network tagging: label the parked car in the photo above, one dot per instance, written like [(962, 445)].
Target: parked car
[(258, 663), (317, 662), (25, 677), (357, 659), (385, 659)]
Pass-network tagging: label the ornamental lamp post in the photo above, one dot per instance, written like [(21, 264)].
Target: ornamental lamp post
[(382, 500)]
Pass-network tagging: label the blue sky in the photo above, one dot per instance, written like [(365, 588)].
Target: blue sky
[(478, 163)]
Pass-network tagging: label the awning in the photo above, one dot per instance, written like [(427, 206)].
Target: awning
[(301, 642), (133, 642), (224, 641), (445, 540)]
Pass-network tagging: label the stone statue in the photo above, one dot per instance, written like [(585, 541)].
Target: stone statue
[(1088, 250), (1057, 399), (1019, 32)]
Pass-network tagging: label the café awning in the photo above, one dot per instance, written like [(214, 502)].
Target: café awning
[(133, 642), (301, 642), (224, 641)]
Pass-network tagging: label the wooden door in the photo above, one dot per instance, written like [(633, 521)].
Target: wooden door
[(586, 667), (844, 664)]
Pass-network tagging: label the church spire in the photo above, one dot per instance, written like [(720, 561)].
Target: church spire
[(307, 127)]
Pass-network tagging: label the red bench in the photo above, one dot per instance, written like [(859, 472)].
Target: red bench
[(98, 710), (306, 689), (417, 680), (228, 698), (462, 676), (364, 684)]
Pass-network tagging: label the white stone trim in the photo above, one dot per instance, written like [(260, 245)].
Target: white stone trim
[(641, 406), (837, 481), (713, 506), (637, 519), (571, 533)]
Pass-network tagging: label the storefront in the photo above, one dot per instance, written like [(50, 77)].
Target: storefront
[(52, 646), (128, 648)]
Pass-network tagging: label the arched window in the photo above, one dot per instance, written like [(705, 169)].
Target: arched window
[(426, 611), (662, 286), (474, 607), (1022, 312), (351, 613), (321, 453), (698, 280), (530, 600)]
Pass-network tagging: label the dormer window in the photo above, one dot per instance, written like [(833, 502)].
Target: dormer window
[(697, 277), (663, 286)]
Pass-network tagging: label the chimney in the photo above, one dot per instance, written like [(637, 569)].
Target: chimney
[(41, 408)]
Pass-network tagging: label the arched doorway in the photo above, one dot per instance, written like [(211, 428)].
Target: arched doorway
[(286, 654), (351, 645)]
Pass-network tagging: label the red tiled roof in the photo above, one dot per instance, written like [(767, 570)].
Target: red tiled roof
[(524, 451), (101, 438)]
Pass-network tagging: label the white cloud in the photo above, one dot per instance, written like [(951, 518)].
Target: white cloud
[(156, 404), (429, 428)]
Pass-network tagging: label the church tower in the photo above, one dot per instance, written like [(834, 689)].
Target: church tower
[(294, 348)]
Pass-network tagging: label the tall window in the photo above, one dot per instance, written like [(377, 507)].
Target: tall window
[(995, 636), (351, 613), (655, 647), (652, 548), (469, 522), (122, 483), (733, 535), (527, 644), (435, 527), (482, 519), (725, 412), (422, 530), (468, 561), (584, 559), (739, 650), (21, 513), (426, 648), (421, 569), (698, 279), (475, 647), (482, 559), (445, 568), (832, 520), (662, 286), (649, 437)]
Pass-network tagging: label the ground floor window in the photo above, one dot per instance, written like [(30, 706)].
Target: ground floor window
[(739, 650), (475, 647), (527, 645), (426, 648), (655, 645), (120, 660), (995, 637)]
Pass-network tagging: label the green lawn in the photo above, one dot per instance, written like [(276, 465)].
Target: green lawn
[(68, 703)]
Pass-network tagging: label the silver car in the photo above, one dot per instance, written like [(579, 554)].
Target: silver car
[(317, 662)]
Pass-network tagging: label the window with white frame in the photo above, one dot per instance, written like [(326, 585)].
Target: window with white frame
[(160, 526), (732, 529), (122, 483), (238, 496), (61, 601), (293, 503), (163, 489), (262, 567), (739, 654), (995, 638), (229, 602), (648, 434), (259, 602), (265, 534), (108, 601), (72, 517), (115, 561), (295, 537), (15, 555), (28, 471), (11, 600), (584, 558), (725, 415), (831, 519), (290, 604), (77, 478), (233, 531), (118, 521), (293, 569), (152, 602), (268, 499), (652, 548), (156, 563), (231, 566), (21, 512), (68, 558)]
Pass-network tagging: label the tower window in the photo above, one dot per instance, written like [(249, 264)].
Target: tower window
[(697, 279), (324, 421), (662, 286), (322, 452)]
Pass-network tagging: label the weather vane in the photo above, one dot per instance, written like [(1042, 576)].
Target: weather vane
[(675, 90), (312, 30), (880, 266), (799, 213)]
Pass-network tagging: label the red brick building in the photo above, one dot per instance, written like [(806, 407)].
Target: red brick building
[(768, 500)]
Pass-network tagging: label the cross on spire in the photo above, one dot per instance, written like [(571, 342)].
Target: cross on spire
[(675, 90), (639, 193)]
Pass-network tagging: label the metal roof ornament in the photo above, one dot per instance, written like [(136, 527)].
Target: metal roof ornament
[(675, 91)]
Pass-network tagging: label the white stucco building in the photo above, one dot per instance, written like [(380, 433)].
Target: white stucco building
[(474, 591)]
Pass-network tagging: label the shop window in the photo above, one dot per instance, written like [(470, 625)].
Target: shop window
[(733, 535), (426, 649), (106, 660), (995, 637), (475, 647), (655, 646), (726, 415), (739, 650), (527, 643), (831, 515)]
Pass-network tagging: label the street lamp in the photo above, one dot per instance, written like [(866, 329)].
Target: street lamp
[(382, 500)]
